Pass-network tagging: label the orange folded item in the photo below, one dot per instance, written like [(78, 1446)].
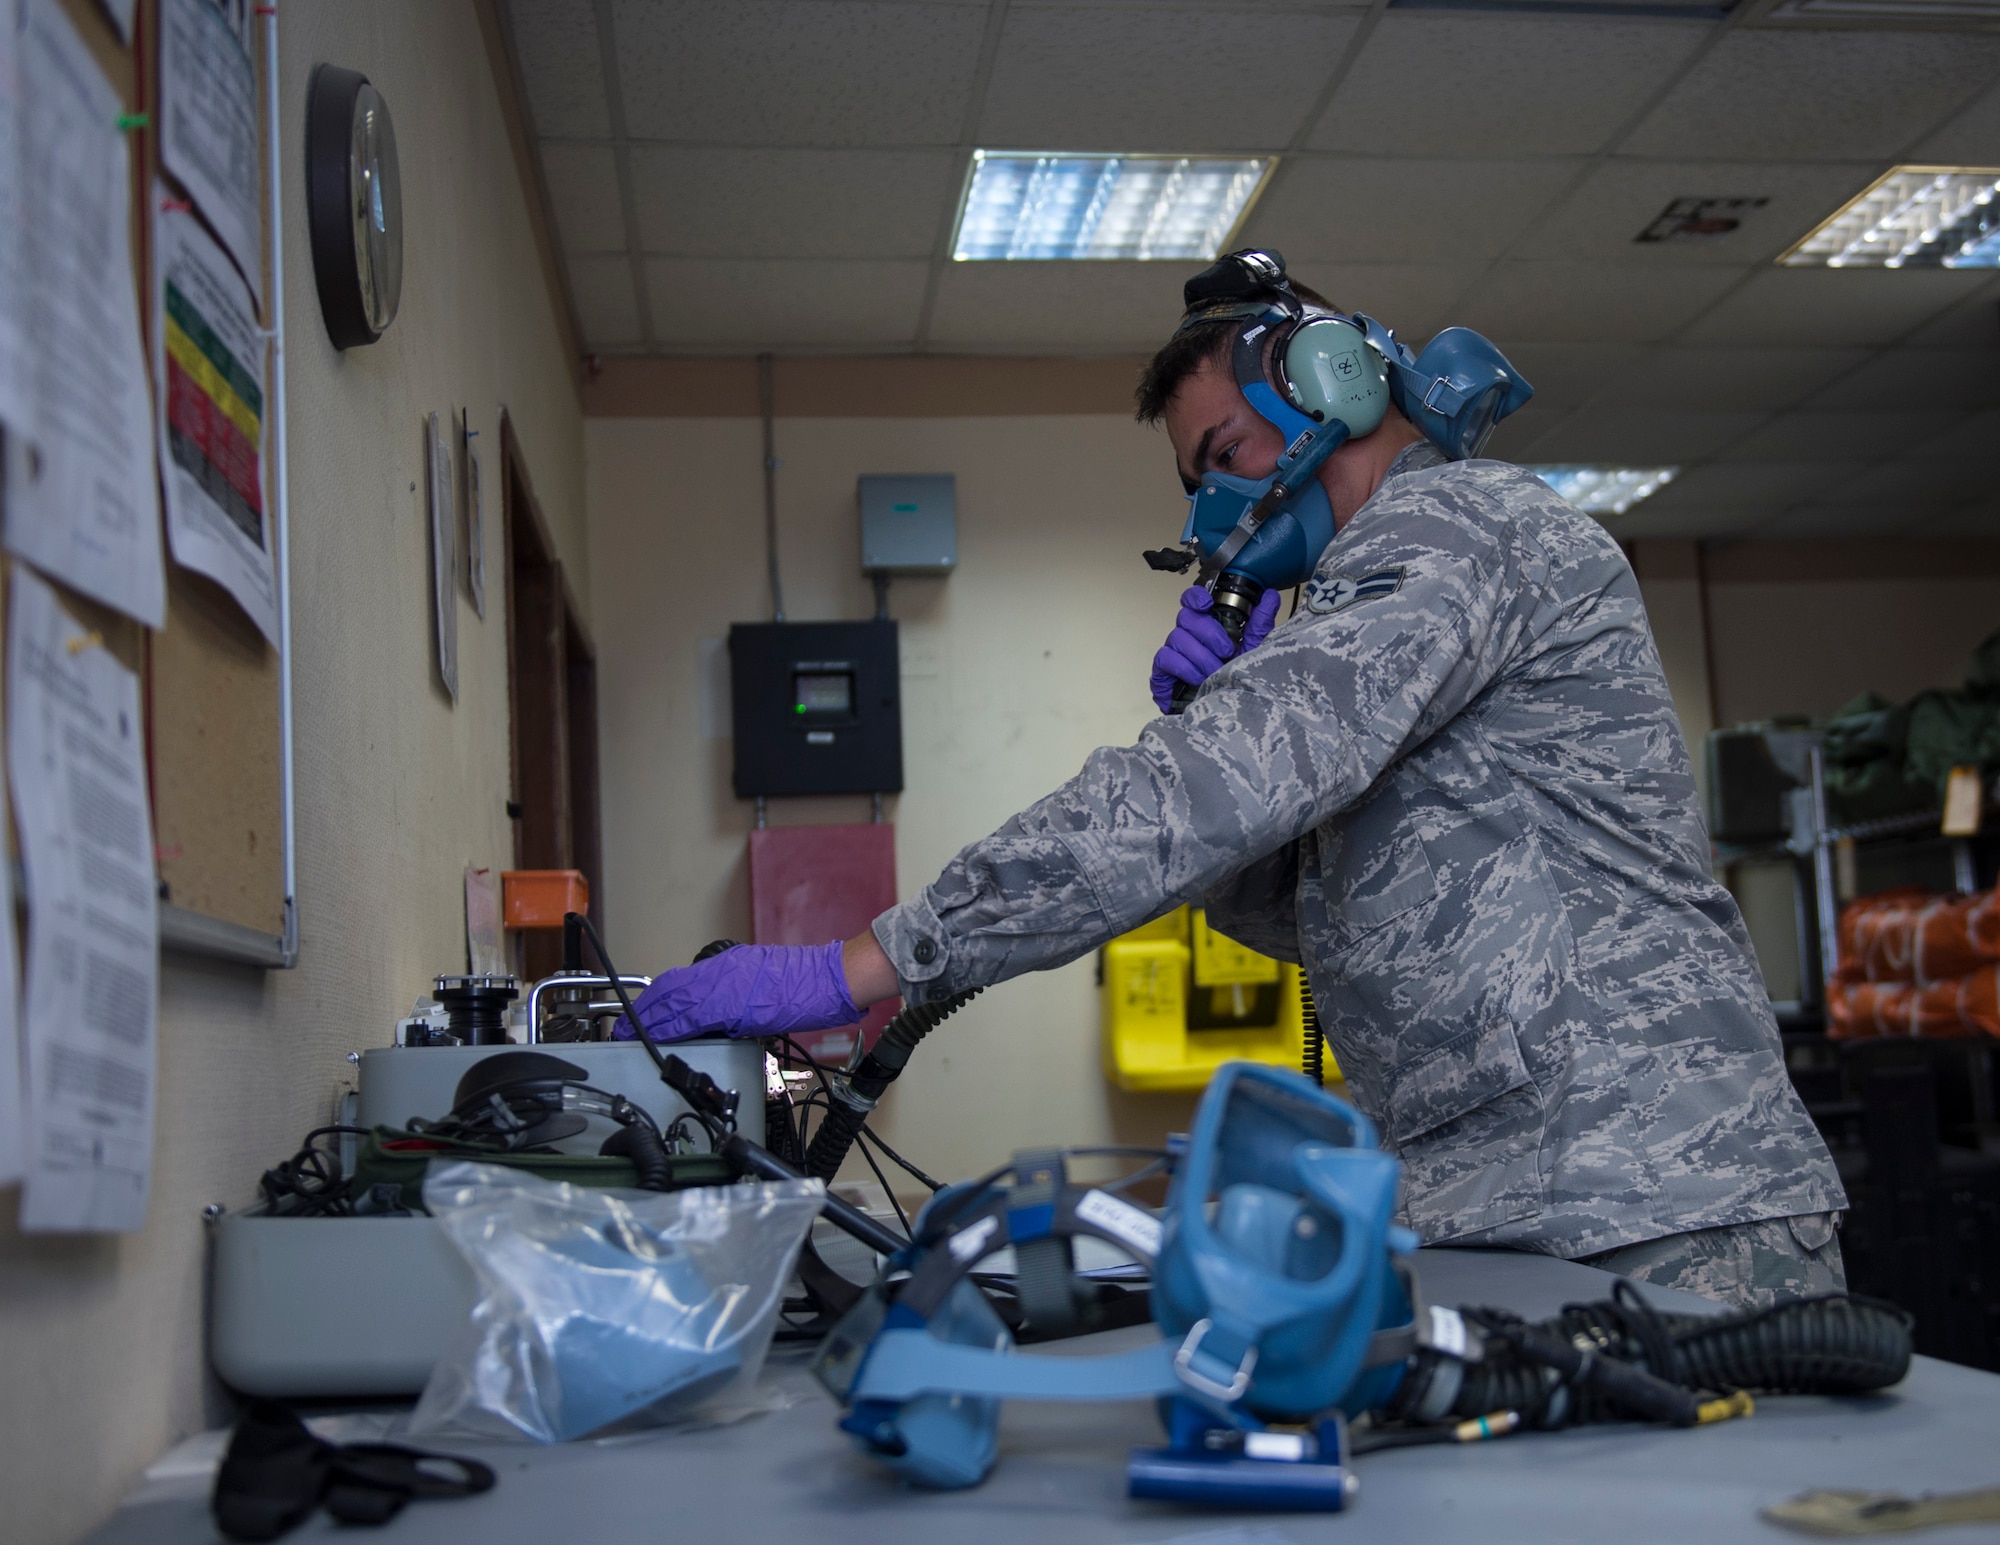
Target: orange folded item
[(1913, 935), (1957, 1007)]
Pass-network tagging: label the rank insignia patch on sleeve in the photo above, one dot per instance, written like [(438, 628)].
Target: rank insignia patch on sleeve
[(1326, 596)]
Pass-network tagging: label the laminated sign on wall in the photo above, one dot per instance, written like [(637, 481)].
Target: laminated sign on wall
[(209, 358), (76, 763)]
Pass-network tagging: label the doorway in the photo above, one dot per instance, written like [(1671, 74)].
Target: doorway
[(552, 698)]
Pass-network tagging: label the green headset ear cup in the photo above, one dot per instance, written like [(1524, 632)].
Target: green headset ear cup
[(1333, 372)]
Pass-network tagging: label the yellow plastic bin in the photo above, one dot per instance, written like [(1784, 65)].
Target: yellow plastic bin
[(1179, 1000)]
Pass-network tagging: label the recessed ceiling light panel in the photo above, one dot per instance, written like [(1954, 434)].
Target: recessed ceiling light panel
[(1059, 205), (1982, 15), (1605, 490), (1911, 217)]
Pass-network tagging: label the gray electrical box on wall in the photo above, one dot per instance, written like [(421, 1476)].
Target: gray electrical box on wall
[(909, 524)]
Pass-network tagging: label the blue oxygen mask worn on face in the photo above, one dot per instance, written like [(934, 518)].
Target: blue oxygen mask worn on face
[(1321, 379)]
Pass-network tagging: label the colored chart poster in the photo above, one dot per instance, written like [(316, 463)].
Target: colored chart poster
[(76, 762), (208, 361), (208, 122), (83, 492)]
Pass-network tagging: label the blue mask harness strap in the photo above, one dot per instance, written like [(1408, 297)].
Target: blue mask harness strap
[(1308, 444)]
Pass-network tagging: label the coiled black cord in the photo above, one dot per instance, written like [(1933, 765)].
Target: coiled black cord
[(1828, 1345), (1313, 1062), (845, 1117)]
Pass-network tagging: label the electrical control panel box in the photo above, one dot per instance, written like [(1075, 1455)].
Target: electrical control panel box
[(816, 708), (909, 524)]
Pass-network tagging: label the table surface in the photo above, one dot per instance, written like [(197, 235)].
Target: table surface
[(789, 1474)]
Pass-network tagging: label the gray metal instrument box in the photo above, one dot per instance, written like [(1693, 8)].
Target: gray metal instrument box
[(909, 524), (306, 1307), (399, 1082)]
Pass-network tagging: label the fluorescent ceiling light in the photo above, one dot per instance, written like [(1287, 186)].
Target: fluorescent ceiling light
[(1605, 490), (1892, 13), (1911, 217), (1059, 205)]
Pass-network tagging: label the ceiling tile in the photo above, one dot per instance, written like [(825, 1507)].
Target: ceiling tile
[(1641, 439), (750, 305), (1568, 375), (794, 203), (1970, 139), (583, 189), (1591, 302), (1771, 485), (1825, 522), (1962, 378), (1413, 300), (1975, 520), (1817, 96), (555, 44), (1604, 217), (1842, 436), (606, 308), (1057, 308), (1710, 520), (1976, 437), (1719, 377), (1521, 431), (1183, 79), (1491, 78), (1411, 211), (1974, 323), (1833, 305), (798, 72), (1909, 484)]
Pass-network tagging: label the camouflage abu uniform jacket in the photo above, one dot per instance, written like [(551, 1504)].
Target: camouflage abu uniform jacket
[(1453, 788)]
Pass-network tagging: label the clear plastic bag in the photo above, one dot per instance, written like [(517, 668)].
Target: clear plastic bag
[(597, 1307)]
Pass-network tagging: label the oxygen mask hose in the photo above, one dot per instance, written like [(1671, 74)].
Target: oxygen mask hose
[(1575, 1368), (1236, 596), (853, 1097)]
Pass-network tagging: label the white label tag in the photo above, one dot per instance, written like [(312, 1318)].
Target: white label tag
[(1274, 1445), (1133, 1227), (1448, 1330), (968, 1244)]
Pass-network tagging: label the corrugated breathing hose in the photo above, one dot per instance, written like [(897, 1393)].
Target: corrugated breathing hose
[(1831, 1345), (853, 1097)]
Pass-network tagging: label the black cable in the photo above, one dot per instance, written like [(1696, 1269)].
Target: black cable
[(311, 1183), (883, 1180), (897, 1159)]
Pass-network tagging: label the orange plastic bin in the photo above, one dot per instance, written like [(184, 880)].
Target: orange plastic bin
[(537, 898)]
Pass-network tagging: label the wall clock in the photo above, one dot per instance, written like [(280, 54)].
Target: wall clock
[(354, 205)]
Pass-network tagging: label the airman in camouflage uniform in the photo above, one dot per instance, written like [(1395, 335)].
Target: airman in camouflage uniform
[(1453, 788)]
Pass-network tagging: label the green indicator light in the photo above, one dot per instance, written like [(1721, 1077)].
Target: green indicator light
[(799, 708)]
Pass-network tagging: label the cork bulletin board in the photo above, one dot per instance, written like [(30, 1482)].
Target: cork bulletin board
[(212, 683)]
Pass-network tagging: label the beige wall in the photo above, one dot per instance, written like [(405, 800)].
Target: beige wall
[(101, 1338), (1033, 653)]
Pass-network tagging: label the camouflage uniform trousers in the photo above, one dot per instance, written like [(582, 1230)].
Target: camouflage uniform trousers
[(1744, 1265)]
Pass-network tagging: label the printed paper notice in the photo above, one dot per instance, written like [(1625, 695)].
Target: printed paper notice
[(444, 555), (76, 763), (13, 1112), (208, 360), (16, 376), (208, 122), (83, 501)]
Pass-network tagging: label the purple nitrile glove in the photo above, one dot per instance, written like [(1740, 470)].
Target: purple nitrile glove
[(1198, 645), (753, 989)]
